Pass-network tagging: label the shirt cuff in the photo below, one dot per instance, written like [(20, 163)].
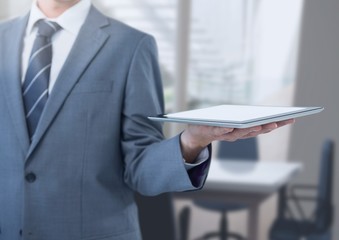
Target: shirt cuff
[(202, 157)]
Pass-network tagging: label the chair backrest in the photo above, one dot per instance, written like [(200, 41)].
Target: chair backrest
[(156, 216), (324, 205), (243, 149)]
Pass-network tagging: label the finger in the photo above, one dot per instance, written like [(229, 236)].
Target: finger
[(264, 130), (269, 126), (251, 135), (227, 130), (221, 131), (240, 133), (286, 122)]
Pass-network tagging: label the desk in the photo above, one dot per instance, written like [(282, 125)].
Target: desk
[(245, 182)]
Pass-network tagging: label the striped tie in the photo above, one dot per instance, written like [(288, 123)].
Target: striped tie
[(35, 86)]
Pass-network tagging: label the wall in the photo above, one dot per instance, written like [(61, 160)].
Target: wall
[(3, 9), (318, 85), (18, 8)]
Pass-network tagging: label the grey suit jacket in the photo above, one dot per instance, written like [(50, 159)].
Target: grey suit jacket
[(94, 145)]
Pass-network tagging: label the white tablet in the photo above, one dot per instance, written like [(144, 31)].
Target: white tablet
[(237, 116)]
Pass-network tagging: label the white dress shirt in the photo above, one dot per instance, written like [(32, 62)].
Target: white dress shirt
[(70, 21), (202, 157)]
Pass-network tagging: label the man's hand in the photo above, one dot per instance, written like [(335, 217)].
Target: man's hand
[(196, 137)]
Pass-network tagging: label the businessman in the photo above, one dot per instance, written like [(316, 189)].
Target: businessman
[(76, 88)]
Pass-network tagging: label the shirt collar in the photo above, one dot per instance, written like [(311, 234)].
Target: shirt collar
[(71, 20)]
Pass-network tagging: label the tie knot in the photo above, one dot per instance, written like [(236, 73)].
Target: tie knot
[(47, 28)]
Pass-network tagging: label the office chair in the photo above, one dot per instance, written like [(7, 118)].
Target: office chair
[(184, 223), (292, 222), (242, 150)]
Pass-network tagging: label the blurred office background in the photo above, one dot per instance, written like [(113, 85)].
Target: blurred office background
[(281, 52)]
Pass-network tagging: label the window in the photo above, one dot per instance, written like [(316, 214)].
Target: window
[(240, 51)]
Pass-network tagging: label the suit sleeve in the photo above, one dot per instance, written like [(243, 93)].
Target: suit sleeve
[(153, 165)]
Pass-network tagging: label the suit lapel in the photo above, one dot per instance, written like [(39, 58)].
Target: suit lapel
[(90, 40), (11, 82)]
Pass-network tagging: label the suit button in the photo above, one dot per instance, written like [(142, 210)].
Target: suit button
[(30, 177), (20, 232)]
